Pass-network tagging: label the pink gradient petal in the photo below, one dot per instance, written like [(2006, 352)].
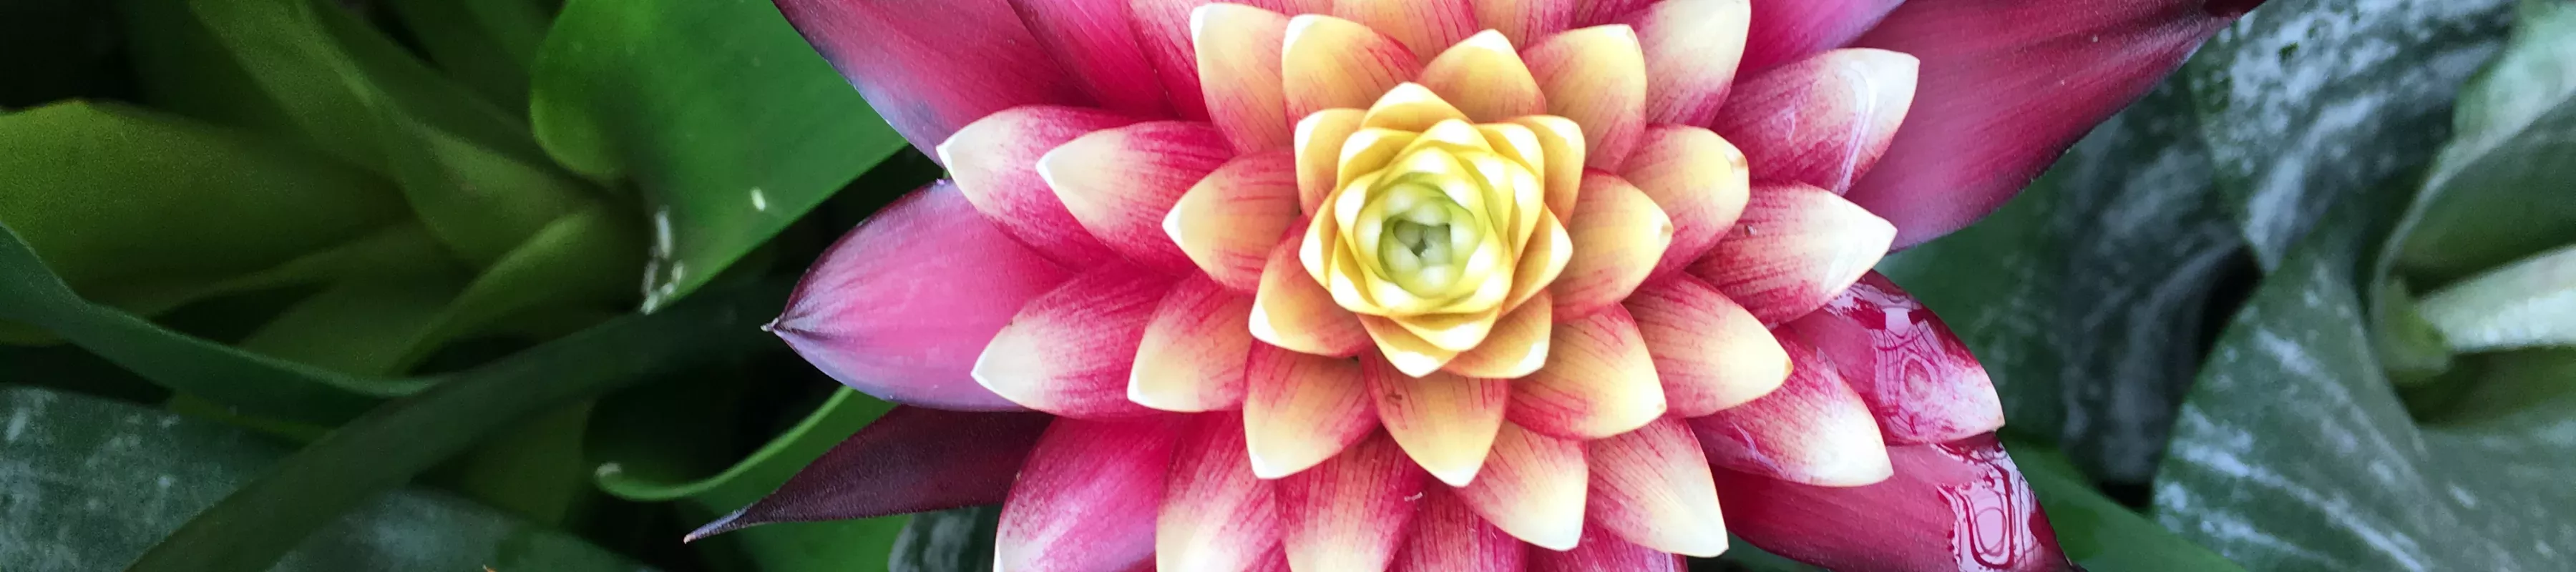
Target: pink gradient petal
[(1448, 536), (1523, 21), (1301, 409), (1445, 423), (1238, 61), (1070, 352), (1953, 506), (1533, 488), (1229, 221), (932, 66), (1163, 27), (1192, 356), (1619, 236), (1916, 376), (1424, 26), (1710, 353), (1087, 499), (1822, 120), (1597, 77), (1790, 30), (1094, 41), (1331, 62), (2007, 85), (900, 306), (1601, 552), (1121, 183), (1598, 12), (1691, 48), (1215, 514), (1599, 380), (995, 162), (1812, 430), (1652, 487), (1796, 247), (1350, 512), (910, 460), (1698, 179)]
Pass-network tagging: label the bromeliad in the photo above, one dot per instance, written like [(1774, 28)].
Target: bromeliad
[(1444, 284)]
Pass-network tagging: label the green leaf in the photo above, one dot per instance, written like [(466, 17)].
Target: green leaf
[(632, 472), (2293, 452), (718, 111), (2527, 304), (2124, 237), (2096, 531), (484, 44), (2499, 190), (359, 328), (651, 445), (955, 540), (220, 205), (91, 483), (2311, 103), (258, 523)]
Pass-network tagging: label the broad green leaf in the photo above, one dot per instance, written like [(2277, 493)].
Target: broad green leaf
[(2124, 244), (195, 205), (955, 540), (480, 202), (2097, 532), (631, 471), (485, 44), (251, 528), (2527, 304), (719, 112), (91, 483), (534, 469), (358, 328), (2294, 453), (2500, 189), (2311, 103)]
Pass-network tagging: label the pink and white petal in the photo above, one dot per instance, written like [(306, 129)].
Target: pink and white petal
[(1351, 512), (1485, 78), (1598, 381), (1293, 311), (1405, 351), (1915, 375), (2007, 85), (1319, 153), (1300, 409), (1602, 552), (1790, 30), (1121, 183), (1960, 505), (1088, 496), (1796, 247), (1532, 487), (1619, 235), (1822, 120), (1598, 12), (1163, 31), (1652, 487), (900, 306), (909, 460), (1229, 222), (995, 163), (1597, 77), (1517, 346), (1444, 422), (1710, 353), (1238, 59), (1216, 515), (1424, 26), (932, 66), (1701, 182), (1561, 140), (1070, 352), (1525, 21), (1094, 41), (1192, 357), (1691, 47), (1812, 430), (1331, 62), (1448, 536)]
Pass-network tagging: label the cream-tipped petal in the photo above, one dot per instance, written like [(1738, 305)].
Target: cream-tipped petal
[(1120, 183), (1448, 537), (1618, 235), (1230, 221), (1299, 409), (1331, 62), (1191, 359), (1319, 153), (995, 163), (1598, 380), (1408, 353), (1532, 487), (1292, 311), (1410, 107), (1562, 140), (1710, 353), (1423, 26), (1517, 346), (1597, 77), (1605, 552), (1796, 247), (1350, 512), (1070, 351), (1824, 120), (1699, 179), (1691, 48), (1215, 515), (1652, 487), (1917, 377), (1813, 430), (1542, 260), (1238, 63), (1087, 496), (1525, 21), (1485, 78), (1446, 423)]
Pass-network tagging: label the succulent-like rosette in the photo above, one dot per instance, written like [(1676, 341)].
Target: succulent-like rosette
[(1443, 284)]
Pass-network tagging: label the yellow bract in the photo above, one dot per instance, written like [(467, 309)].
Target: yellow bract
[(1433, 224)]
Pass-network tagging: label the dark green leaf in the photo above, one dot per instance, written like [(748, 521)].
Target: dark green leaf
[(485, 44), (90, 484), (256, 524), (2096, 531), (646, 456), (2084, 296), (720, 113), (2311, 103), (2499, 190), (955, 540)]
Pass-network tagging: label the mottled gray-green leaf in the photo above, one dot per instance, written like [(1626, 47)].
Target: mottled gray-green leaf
[(2505, 187), (954, 540)]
